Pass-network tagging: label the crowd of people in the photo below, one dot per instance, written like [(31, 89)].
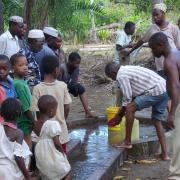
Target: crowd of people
[(36, 80), (142, 88)]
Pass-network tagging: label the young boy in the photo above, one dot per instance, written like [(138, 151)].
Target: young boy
[(161, 47), (51, 86), (7, 89), (69, 73), (20, 69)]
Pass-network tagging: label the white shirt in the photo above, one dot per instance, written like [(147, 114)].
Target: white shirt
[(136, 80), (122, 39), (8, 44)]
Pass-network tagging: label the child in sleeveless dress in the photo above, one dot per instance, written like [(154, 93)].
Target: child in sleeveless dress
[(50, 157), (14, 152)]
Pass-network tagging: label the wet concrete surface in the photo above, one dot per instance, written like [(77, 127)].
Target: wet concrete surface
[(96, 151)]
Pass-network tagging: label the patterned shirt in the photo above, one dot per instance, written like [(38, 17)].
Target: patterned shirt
[(135, 81), (34, 76)]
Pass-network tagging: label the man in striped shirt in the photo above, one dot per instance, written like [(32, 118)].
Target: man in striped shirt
[(142, 88)]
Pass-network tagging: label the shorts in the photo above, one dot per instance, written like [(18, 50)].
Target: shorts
[(158, 104), (76, 89)]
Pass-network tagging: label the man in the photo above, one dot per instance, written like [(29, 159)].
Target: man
[(69, 73), (161, 47), (161, 25), (123, 42), (45, 51), (22, 36), (54, 41), (142, 88), (34, 45), (9, 40)]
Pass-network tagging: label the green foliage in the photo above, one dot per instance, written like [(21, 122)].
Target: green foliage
[(11, 7), (104, 35), (73, 18)]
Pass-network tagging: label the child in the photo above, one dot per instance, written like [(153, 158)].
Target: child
[(69, 73), (6, 86), (50, 157), (51, 86), (14, 152), (20, 70)]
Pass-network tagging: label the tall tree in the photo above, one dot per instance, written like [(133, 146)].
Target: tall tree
[(1, 17), (28, 7), (157, 1)]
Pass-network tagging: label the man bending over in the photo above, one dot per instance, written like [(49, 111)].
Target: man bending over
[(142, 88)]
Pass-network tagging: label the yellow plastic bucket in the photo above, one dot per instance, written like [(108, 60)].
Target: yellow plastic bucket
[(121, 128)]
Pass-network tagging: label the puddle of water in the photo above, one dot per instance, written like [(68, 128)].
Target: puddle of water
[(95, 150)]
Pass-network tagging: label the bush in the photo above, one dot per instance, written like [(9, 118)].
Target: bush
[(104, 35)]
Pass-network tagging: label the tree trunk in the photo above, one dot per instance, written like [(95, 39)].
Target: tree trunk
[(157, 2), (28, 7), (1, 18), (93, 26)]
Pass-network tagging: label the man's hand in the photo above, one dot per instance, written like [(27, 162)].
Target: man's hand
[(114, 121), (131, 45), (170, 121), (125, 52)]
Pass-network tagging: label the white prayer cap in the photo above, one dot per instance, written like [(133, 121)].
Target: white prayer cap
[(16, 19), (161, 6), (35, 34), (50, 31)]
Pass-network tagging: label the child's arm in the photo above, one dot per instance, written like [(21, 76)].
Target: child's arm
[(30, 116), (66, 110), (57, 144), (19, 160)]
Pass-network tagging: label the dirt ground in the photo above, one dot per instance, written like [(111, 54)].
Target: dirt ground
[(155, 170), (98, 86)]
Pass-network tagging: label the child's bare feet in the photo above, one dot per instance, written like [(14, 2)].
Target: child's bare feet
[(124, 144), (162, 157)]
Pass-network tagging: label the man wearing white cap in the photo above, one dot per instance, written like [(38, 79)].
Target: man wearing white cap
[(34, 45), (9, 40), (54, 41), (161, 25), (45, 51)]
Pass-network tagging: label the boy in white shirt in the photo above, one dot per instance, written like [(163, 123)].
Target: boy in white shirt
[(123, 41)]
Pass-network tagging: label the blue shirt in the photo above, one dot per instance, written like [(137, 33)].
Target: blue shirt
[(9, 89), (45, 51), (34, 76)]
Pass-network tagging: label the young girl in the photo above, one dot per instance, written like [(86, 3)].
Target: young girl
[(14, 152), (50, 157)]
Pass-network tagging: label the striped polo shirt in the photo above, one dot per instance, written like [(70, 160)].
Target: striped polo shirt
[(135, 81)]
